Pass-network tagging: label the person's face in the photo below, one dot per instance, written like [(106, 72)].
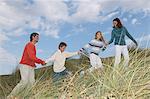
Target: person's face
[(98, 36), (36, 38), (115, 23), (62, 49)]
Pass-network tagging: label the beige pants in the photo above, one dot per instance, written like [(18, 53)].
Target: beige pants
[(27, 79)]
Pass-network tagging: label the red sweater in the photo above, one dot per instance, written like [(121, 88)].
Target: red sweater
[(29, 56)]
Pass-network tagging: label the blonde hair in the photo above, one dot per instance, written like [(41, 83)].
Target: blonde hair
[(102, 38)]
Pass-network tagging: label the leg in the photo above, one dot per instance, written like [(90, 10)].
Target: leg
[(99, 62), (91, 69), (56, 76), (126, 55), (24, 80), (93, 60), (117, 55), (60, 75), (31, 76), (31, 79)]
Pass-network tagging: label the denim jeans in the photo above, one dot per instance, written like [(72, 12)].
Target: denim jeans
[(60, 75)]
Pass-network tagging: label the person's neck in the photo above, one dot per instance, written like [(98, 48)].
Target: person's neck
[(97, 39), (33, 42), (60, 51)]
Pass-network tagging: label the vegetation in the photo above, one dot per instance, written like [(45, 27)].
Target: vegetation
[(132, 82)]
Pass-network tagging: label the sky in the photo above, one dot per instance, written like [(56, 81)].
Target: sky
[(72, 21)]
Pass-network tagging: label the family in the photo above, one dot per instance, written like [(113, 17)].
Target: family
[(94, 47)]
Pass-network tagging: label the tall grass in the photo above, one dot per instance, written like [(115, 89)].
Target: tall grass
[(132, 82)]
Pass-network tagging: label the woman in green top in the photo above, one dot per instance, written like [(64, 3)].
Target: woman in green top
[(118, 34)]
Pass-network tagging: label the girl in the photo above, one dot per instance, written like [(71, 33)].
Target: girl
[(94, 48), (118, 33)]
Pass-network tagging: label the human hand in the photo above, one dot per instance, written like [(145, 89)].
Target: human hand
[(43, 63), (106, 43), (79, 52)]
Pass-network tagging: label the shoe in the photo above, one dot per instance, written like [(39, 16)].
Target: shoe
[(82, 73)]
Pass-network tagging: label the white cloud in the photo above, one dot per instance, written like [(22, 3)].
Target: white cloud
[(140, 5), (52, 33), (53, 10), (135, 21), (18, 16), (8, 62), (3, 38), (87, 11), (125, 19), (144, 38)]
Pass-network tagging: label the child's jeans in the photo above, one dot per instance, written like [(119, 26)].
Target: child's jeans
[(60, 75)]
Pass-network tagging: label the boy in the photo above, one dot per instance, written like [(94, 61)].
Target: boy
[(58, 59)]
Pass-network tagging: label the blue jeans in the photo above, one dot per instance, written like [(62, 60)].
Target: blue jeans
[(59, 75)]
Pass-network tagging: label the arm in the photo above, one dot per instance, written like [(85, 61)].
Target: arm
[(129, 36), (68, 54), (104, 47), (112, 38), (86, 47), (51, 59), (32, 55)]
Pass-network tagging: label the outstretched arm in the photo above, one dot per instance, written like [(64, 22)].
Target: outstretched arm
[(69, 54), (129, 36), (86, 47), (112, 38), (51, 59)]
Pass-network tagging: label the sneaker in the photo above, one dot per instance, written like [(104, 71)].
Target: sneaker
[(82, 73)]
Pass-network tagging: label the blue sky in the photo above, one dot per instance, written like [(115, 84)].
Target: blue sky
[(72, 21)]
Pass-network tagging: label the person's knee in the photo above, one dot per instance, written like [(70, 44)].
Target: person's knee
[(126, 58), (23, 82), (93, 64), (117, 61), (32, 81)]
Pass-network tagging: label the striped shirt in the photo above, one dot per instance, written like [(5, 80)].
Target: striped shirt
[(94, 46)]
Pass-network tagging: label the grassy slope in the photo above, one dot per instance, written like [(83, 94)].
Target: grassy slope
[(122, 83)]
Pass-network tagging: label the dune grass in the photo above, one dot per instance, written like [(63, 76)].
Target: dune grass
[(132, 82)]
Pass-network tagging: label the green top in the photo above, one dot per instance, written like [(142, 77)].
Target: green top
[(119, 35)]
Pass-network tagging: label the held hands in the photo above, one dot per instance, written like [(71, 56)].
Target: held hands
[(106, 44), (80, 51), (43, 63)]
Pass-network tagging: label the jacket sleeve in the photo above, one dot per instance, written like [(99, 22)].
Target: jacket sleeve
[(129, 36), (69, 54), (32, 54), (112, 38)]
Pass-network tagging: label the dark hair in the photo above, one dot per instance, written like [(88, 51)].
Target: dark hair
[(119, 25), (33, 35), (62, 44)]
